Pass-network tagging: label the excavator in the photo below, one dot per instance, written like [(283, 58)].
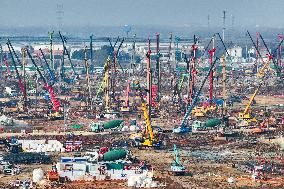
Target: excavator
[(177, 168)]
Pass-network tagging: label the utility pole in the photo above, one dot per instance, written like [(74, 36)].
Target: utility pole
[(59, 14), (208, 21)]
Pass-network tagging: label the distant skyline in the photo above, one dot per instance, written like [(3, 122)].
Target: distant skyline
[(176, 13)]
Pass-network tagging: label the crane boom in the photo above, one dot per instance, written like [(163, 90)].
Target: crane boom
[(21, 85), (51, 74), (65, 52), (251, 99), (50, 34), (150, 140), (49, 88), (194, 101), (278, 69), (245, 114)]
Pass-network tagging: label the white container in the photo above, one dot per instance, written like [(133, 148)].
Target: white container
[(37, 175), (231, 180), (154, 185)]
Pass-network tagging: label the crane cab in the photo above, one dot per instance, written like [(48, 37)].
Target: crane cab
[(247, 117)]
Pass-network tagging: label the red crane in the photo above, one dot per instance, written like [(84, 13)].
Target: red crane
[(49, 88), (211, 53), (21, 84)]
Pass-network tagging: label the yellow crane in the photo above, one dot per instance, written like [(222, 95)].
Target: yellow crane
[(245, 115), (105, 85), (148, 139), (261, 72)]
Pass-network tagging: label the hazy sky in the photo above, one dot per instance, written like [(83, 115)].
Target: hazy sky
[(247, 13)]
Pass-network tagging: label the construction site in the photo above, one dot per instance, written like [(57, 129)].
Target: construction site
[(163, 111)]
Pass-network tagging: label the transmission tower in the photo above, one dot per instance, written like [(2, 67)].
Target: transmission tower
[(224, 22), (59, 14), (208, 21)]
